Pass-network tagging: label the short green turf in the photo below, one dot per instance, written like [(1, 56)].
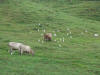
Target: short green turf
[(75, 21)]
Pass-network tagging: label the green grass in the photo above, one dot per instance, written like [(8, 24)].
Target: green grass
[(79, 55)]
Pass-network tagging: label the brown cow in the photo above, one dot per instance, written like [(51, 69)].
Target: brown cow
[(48, 36)]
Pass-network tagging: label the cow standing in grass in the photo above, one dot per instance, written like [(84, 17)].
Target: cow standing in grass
[(26, 49), (14, 46), (20, 47), (48, 36)]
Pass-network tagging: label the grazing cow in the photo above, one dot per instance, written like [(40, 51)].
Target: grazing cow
[(27, 49), (20, 47), (14, 46), (48, 36)]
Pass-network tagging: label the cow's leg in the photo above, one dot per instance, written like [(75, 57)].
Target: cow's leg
[(49, 39), (21, 52), (11, 51)]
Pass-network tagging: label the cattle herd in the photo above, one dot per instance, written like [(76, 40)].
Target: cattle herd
[(25, 48)]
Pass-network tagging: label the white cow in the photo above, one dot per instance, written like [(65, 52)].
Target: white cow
[(20, 47), (14, 46), (26, 48)]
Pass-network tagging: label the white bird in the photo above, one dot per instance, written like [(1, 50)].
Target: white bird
[(44, 30), (68, 29), (70, 32), (96, 35), (38, 30), (86, 31), (41, 34), (39, 40), (70, 36), (55, 35), (67, 34), (55, 40), (63, 39), (39, 24)]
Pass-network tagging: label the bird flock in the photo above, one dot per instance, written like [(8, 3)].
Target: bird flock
[(69, 34)]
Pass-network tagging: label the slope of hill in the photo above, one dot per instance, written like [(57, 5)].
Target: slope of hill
[(25, 21)]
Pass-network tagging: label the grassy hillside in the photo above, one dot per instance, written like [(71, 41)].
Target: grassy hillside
[(76, 21)]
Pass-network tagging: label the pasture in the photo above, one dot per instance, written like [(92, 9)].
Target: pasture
[(75, 45)]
